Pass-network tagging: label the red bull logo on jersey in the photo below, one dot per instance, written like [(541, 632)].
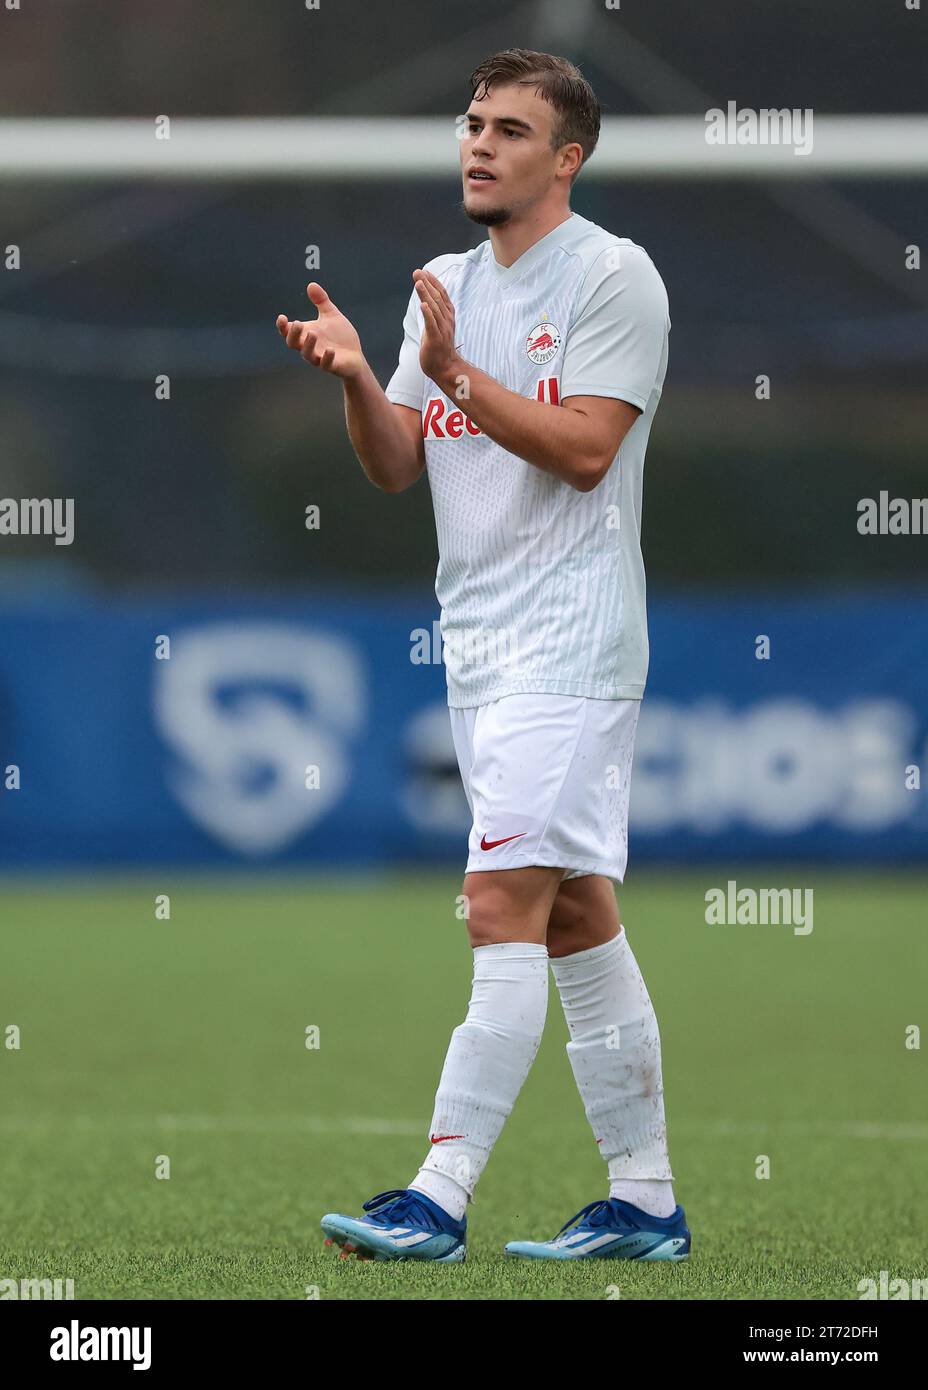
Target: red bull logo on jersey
[(438, 422), (542, 343)]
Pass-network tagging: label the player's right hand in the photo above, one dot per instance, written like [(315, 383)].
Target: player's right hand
[(329, 341)]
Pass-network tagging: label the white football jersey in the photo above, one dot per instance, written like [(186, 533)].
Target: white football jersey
[(541, 587)]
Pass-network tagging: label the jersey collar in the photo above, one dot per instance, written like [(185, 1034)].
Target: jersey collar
[(504, 275)]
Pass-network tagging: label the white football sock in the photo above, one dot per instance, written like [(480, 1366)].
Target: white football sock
[(489, 1057), (615, 1053), (652, 1196)]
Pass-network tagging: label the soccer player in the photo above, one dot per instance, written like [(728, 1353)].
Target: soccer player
[(528, 378)]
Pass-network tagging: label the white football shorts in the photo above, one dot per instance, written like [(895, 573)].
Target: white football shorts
[(547, 779)]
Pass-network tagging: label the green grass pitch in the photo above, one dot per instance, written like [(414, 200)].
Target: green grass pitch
[(187, 1038)]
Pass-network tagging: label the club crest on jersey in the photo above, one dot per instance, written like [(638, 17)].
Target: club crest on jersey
[(542, 343)]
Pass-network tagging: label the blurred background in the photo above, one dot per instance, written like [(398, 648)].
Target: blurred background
[(143, 378)]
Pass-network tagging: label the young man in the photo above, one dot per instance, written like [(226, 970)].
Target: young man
[(528, 379)]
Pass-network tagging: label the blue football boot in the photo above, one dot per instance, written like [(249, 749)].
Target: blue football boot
[(612, 1230), (403, 1225)]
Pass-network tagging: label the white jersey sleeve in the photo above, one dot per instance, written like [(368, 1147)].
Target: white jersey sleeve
[(407, 384), (616, 342)]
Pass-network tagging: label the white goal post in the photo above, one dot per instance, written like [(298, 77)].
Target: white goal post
[(203, 148)]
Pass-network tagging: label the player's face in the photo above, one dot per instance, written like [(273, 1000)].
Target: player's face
[(507, 133)]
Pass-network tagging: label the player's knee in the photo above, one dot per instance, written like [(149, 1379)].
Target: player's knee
[(492, 917), (582, 916), (511, 905), (568, 924), (487, 928)]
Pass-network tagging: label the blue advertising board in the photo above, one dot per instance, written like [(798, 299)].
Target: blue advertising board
[(313, 730)]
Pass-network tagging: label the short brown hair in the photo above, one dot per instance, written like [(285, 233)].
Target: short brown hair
[(559, 81)]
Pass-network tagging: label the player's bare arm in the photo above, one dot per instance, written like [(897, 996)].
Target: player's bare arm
[(576, 441), (387, 438)]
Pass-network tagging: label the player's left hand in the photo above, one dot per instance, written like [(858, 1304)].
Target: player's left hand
[(437, 356)]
